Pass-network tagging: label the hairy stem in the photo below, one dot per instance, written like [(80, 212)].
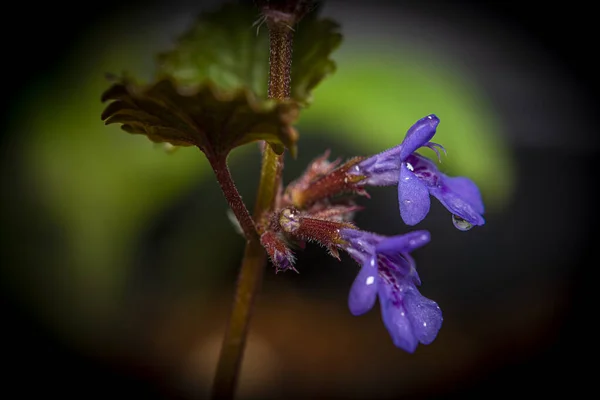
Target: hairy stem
[(281, 39), (234, 199), (254, 261)]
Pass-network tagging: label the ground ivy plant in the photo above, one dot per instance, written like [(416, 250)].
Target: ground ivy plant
[(223, 86)]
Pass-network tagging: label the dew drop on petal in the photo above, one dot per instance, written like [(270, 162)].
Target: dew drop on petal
[(461, 224)]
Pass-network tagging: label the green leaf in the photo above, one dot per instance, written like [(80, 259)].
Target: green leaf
[(206, 117), (224, 47), (227, 47), (211, 88), (314, 41)]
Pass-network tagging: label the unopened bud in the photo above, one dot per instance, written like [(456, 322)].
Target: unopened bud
[(279, 253)]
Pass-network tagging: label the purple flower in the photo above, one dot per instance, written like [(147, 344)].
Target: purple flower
[(388, 271), (417, 177)]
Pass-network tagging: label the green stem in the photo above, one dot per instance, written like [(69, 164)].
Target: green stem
[(248, 284), (254, 261), (270, 178)]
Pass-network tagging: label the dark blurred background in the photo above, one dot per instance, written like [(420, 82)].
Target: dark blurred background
[(118, 260)]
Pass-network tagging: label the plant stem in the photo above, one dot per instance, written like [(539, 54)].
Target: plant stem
[(248, 284), (254, 261), (270, 177), (281, 39), (234, 199)]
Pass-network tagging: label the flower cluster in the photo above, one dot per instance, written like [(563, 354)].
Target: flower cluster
[(319, 207)]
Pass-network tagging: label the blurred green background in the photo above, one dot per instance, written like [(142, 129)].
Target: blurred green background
[(120, 258)]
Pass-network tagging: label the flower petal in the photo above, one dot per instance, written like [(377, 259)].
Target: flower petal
[(467, 189), (399, 266), (458, 194), (381, 169), (420, 133), (395, 318), (457, 202), (412, 268), (413, 197), (424, 314), (403, 243), (424, 169), (363, 292)]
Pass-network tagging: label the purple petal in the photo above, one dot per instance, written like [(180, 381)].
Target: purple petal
[(283, 261), (467, 190), (413, 197), (354, 234), (420, 133), (424, 315), (399, 266), (412, 265), (395, 318), (364, 289), (360, 245), (395, 267), (457, 202), (424, 169), (458, 194), (403, 243), (381, 169)]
